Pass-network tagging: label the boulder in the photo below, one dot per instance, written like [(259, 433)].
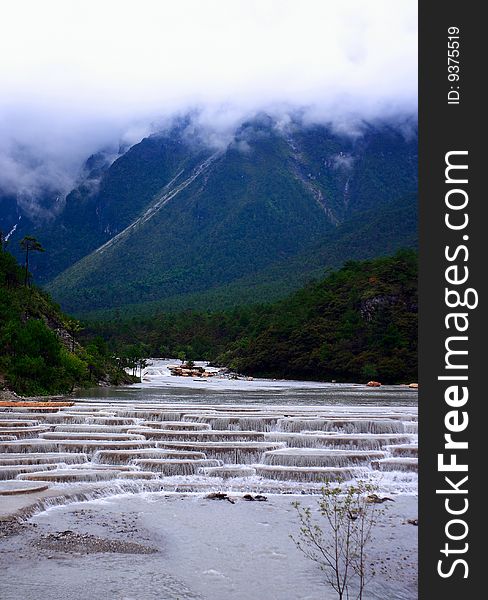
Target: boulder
[(256, 498), (375, 499), (219, 496)]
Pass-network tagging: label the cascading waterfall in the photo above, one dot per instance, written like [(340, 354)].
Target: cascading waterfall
[(195, 447), (396, 464), (294, 457), (86, 436), (12, 471), (175, 466), (260, 423), (199, 436), (342, 425), (93, 428), (150, 415), (409, 450), (35, 458), (338, 441), (228, 471), (25, 432), (305, 474), (227, 452), (120, 457), (70, 475), (28, 445), (177, 425)]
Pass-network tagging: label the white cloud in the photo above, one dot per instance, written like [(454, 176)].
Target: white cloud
[(80, 74)]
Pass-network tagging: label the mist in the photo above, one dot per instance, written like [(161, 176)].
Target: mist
[(78, 77)]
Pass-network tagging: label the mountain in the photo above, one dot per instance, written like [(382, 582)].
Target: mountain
[(380, 232), (173, 222)]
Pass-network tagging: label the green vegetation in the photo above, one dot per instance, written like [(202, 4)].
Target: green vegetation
[(38, 352), (310, 198), (358, 323), (376, 233)]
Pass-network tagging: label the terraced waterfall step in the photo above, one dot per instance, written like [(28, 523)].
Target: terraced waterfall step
[(87, 436), (17, 423), (411, 450), (305, 474), (233, 452), (396, 464), (14, 488), (120, 457), (70, 475), (175, 466), (339, 441), (34, 458), (307, 457), (12, 471), (24, 432), (187, 446), (200, 436)]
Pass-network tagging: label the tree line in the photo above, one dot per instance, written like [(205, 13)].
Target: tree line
[(358, 323)]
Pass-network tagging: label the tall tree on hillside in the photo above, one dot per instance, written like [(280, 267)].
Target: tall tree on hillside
[(29, 244), (3, 241)]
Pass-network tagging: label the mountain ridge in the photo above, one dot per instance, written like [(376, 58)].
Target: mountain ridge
[(143, 230)]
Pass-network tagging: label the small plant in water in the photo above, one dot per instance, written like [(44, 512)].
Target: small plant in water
[(338, 546)]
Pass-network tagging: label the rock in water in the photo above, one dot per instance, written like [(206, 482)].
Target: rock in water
[(256, 498), (216, 496), (375, 499), (219, 496)]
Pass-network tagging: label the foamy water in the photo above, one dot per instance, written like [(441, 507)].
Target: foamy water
[(192, 434), (135, 463)]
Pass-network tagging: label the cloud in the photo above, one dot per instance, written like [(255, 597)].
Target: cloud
[(343, 161), (80, 75)]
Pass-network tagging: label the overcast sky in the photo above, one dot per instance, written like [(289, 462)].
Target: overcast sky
[(76, 75)]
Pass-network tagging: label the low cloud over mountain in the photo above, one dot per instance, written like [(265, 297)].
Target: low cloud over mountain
[(86, 76)]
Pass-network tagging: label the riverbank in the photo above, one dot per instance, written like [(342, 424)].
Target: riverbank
[(166, 546), (10, 396)]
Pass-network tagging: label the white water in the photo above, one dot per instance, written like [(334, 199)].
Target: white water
[(268, 435), (194, 437)]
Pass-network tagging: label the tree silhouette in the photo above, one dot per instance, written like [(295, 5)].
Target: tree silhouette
[(339, 548), (29, 244), (3, 241)]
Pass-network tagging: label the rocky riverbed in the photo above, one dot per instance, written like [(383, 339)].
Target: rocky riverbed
[(169, 546)]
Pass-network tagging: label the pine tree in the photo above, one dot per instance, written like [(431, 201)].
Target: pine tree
[(29, 244)]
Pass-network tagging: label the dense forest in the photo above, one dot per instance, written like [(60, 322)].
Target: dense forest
[(39, 351), (358, 323)]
